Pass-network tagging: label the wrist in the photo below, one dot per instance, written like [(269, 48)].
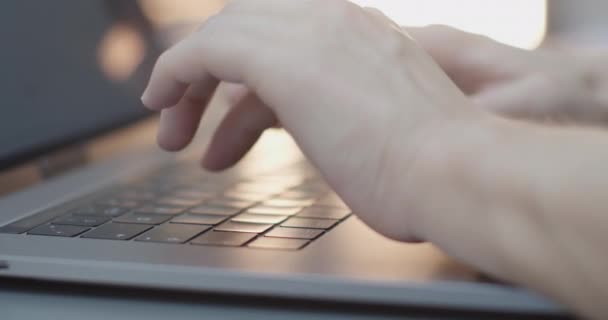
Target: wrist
[(466, 192), (432, 172), (489, 208), (469, 204)]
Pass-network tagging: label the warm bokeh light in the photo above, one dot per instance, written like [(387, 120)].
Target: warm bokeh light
[(520, 23), (120, 52), (166, 13)]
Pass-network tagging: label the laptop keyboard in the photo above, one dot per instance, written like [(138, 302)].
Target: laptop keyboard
[(181, 204)]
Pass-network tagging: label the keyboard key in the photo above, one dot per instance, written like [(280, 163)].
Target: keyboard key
[(143, 218), (192, 194), (229, 239), (324, 213), (208, 187), (247, 195), (281, 182), (57, 230), (95, 209), (274, 211), (261, 188), (310, 223), (178, 202), (259, 218), (231, 203), (101, 210), (170, 210), (122, 203), (137, 195), (312, 187), (174, 178), (116, 231), (331, 201), (288, 203), (205, 219), (172, 233), (218, 211), (82, 221), (298, 195), (154, 186), (234, 226), (278, 243), (294, 233), (30, 222)]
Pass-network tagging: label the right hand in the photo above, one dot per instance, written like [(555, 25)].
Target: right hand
[(540, 85)]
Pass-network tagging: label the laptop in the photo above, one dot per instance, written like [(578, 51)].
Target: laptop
[(86, 196)]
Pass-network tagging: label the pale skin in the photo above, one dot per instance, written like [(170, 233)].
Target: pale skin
[(403, 125)]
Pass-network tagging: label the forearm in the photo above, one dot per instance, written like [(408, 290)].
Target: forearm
[(528, 204)]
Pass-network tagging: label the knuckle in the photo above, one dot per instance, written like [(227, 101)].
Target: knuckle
[(163, 61), (441, 29), (340, 10), (329, 11), (332, 17), (210, 31), (447, 34), (396, 45)]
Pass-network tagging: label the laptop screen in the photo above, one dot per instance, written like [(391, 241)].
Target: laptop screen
[(69, 70)]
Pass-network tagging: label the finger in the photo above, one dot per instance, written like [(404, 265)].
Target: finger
[(164, 89), (529, 98), (238, 132), (234, 93), (226, 47), (193, 60), (472, 61), (179, 124), (381, 17)]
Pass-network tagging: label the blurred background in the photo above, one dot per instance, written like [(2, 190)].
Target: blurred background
[(106, 49), (521, 23)]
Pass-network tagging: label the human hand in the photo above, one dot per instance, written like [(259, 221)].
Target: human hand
[(397, 140), (361, 99), (539, 85)]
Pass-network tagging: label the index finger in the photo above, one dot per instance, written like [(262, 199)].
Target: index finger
[(205, 56), (164, 88)]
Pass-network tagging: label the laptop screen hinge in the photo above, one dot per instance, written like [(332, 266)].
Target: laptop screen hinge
[(62, 161)]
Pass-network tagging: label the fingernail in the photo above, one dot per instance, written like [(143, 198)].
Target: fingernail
[(145, 98)]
